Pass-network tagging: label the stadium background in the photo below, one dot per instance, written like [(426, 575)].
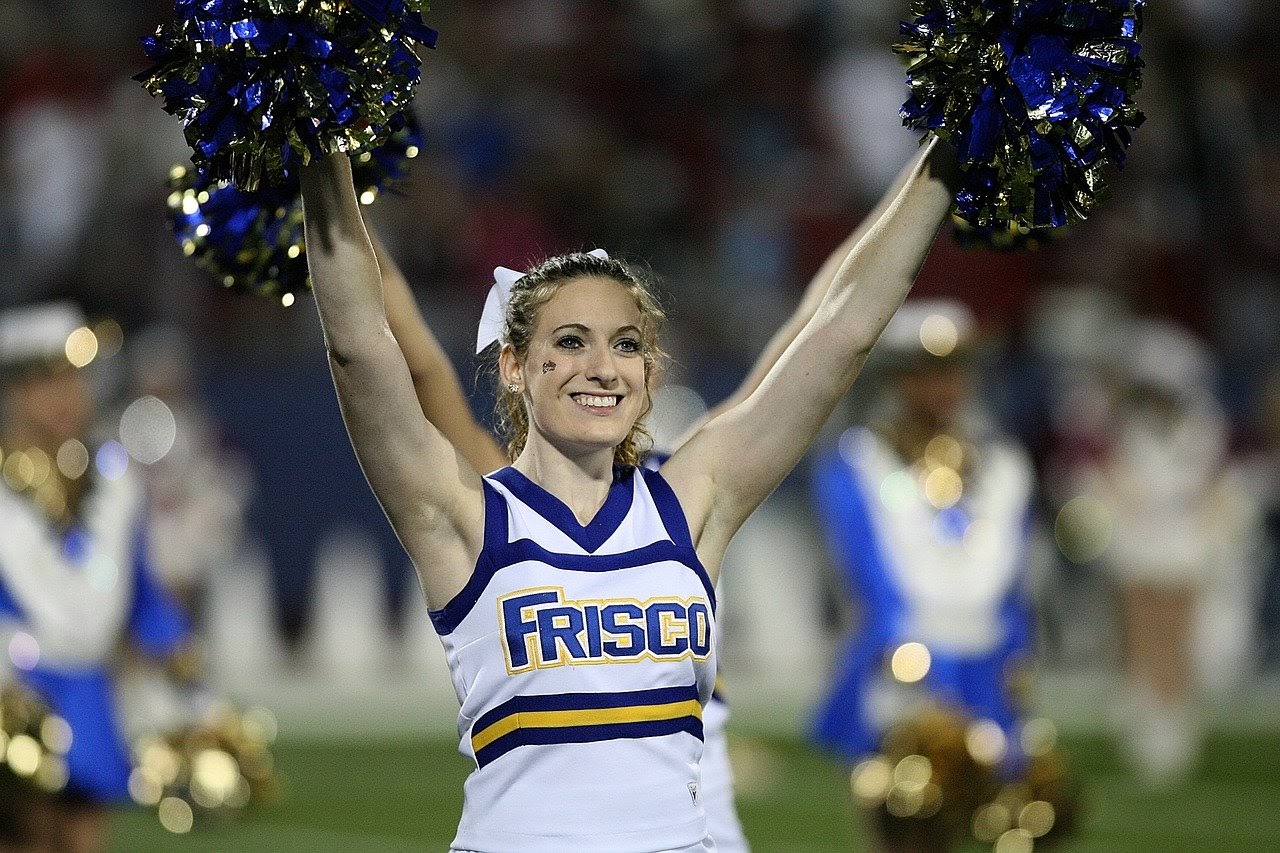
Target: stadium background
[(727, 144)]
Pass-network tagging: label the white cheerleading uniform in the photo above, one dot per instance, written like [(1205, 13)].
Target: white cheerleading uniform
[(582, 658), (955, 579), (723, 824), (67, 600)]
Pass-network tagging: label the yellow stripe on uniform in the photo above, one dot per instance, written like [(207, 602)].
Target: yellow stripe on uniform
[(584, 717)]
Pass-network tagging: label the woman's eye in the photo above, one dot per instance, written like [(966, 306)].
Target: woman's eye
[(569, 342), (628, 345)]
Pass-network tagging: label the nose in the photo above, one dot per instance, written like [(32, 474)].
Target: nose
[(601, 368)]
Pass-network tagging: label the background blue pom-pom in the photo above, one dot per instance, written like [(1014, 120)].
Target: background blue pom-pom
[(252, 242), (1036, 98), (262, 86)]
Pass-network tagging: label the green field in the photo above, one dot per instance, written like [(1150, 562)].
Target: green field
[(370, 795)]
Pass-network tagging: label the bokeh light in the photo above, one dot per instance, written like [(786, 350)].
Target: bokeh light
[(991, 821), (56, 734), (943, 487), (176, 815), (939, 335), (871, 780), (986, 742), (82, 347), (898, 491), (1083, 529), (214, 776), (52, 773), (148, 429), (1039, 736), (910, 662), (110, 337), (1037, 818), (24, 651), (111, 460), (1016, 840), (23, 755), (73, 459), (145, 786)]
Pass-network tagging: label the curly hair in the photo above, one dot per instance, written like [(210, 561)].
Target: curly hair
[(528, 296)]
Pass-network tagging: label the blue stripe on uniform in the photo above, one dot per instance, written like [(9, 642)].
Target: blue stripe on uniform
[(547, 505), (588, 733), (157, 623), (669, 508), (844, 507), (584, 701), (9, 607)]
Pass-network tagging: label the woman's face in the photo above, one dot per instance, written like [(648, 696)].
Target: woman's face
[(52, 408), (584, 374), (935, 393)]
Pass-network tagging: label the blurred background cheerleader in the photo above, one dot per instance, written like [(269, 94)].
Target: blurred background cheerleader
[(1182, 542), (76, 578), (928, 516)]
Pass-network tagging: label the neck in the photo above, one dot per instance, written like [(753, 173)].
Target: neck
[(581, 481), (55, 494), (22, 438), (912, 434)]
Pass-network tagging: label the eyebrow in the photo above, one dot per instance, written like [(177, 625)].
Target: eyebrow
[(582, 328)]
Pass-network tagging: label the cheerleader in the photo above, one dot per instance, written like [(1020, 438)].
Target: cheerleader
[(76, 580), (443, 402), (927, 515), (1181, 530), (574, 593)]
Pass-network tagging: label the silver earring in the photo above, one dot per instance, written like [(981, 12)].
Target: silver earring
[(512, 387)]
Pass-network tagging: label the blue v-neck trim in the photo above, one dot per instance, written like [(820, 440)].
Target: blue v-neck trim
[(557, 513)]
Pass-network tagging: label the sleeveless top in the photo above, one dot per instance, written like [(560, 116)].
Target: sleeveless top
[(582, 657), (954, 579), (67, 599)]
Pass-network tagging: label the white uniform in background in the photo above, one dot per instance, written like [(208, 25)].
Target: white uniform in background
[(582, 657), (717, 780), (67, 601), (953, 579)]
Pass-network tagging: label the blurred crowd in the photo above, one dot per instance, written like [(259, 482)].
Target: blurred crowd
[(728, 145)]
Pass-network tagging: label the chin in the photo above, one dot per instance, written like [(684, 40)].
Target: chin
[(580, 442)]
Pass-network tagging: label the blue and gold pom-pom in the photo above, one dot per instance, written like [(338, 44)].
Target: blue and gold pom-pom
[(35, 740), (923, 785), (1036, 98), (942, 776), (252, 242), (208, 770), (262, 86)]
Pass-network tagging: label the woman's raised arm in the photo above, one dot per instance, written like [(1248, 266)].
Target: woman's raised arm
[(428, 490), (720, 484), (434, 379), (814, 293)]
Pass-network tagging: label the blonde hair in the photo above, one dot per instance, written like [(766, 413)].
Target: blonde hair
[(528, 296)]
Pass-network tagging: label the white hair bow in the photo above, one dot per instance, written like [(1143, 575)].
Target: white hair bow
[(495, 304)]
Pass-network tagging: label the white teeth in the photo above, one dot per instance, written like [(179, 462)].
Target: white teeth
[(596, 402)]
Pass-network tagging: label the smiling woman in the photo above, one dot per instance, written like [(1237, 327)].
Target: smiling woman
[(574, 592), (543, 316)]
